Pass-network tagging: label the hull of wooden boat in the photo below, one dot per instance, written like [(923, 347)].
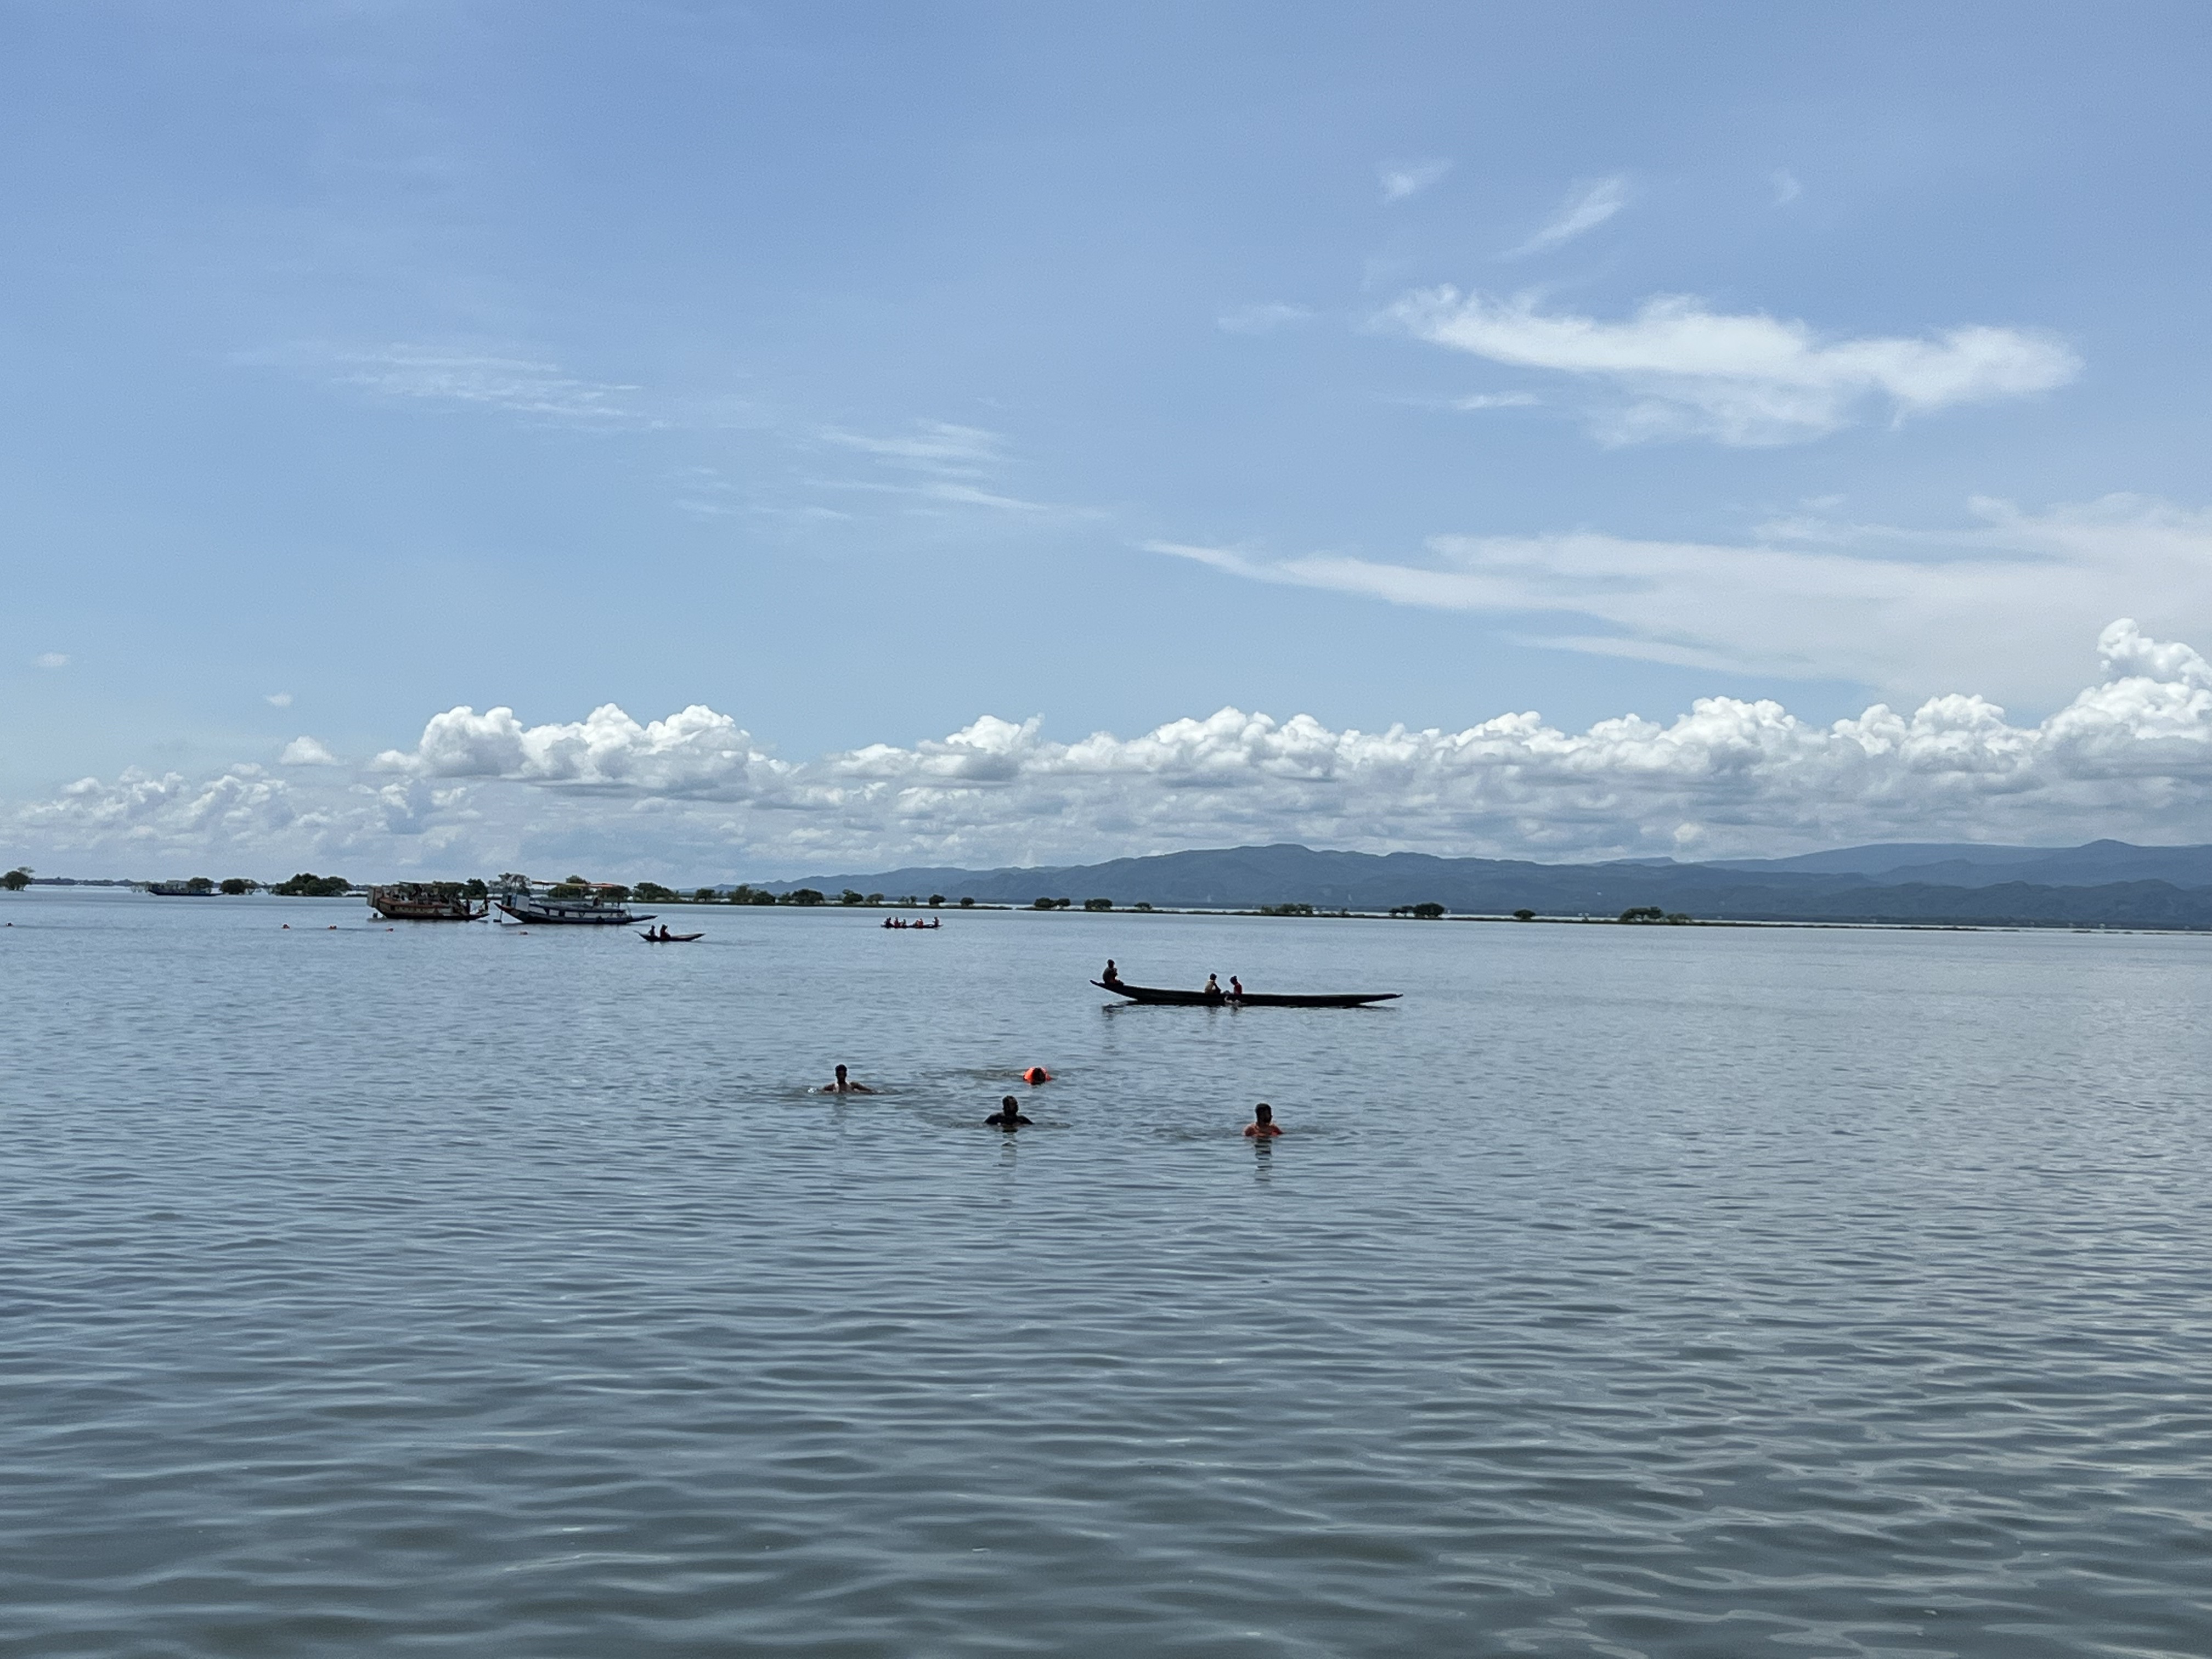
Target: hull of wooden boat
[(1160, 997)]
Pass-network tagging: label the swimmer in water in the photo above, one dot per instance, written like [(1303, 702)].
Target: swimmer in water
[(1263, 1123), (1008, 1116), (845, 1085)]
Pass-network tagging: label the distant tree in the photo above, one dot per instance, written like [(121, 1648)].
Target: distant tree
[(574, 888), (17, 878), (1524, 916), (1041, 904), (200, 884), (704, 895), (474, 888), (805, 895), (1098, 904), (307, 884), (1643, 912), (967, 903), (1142, 905), (620, 894), (875, 898), (936, 901), (1293, 910), (234, 886), (850, 896), (1678, 917), (1431, 912)]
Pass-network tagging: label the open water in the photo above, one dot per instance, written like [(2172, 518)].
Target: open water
[(1662, 1292)]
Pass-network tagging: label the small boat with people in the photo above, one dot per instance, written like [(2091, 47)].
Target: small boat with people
[(664, 937), (567, 904), (427, 901), (1212, 996)]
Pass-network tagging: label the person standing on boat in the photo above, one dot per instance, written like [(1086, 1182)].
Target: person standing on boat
[(845, 1085), (1263, 1123), (1008, 1116)]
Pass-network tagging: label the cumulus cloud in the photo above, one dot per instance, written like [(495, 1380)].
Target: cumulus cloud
[(1587, 207), (1402, 179), (1262, 318), (2130, 755), (695, 752), (1998, 600), (307, 751), (1675, 369), (279, 700)]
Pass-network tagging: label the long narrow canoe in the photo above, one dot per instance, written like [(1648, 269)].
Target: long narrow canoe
[(673, 939), (1152, 993)]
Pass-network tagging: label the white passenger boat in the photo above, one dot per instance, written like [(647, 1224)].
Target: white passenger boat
[(559, 904)]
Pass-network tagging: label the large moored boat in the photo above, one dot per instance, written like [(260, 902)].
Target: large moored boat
[(427, 901), (595, 905)]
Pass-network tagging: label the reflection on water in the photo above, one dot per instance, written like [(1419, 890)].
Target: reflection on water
[(1675, 1291)]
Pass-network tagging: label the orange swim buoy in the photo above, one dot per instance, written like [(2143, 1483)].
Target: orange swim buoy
[(1036, 1074)]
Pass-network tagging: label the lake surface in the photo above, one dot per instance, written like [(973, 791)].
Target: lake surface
[(1621, 1291)]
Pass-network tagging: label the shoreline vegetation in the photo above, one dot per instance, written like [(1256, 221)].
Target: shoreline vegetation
[(308, 885)]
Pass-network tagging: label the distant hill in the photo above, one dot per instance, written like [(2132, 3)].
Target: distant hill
[(2103, 883), (1966, 865)]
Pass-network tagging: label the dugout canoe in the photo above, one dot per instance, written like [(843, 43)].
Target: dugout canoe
[(1156, 994)]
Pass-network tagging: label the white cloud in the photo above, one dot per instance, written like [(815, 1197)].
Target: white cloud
[(1496, 400), (696, 751), (1262, 318), (52, 659), (1675, 369), (1401, 179), (2131, 756), (1786, 187), (1999, 601), (1586, 207), (538, 391), (279, 700), (936, 447), (306, 751)]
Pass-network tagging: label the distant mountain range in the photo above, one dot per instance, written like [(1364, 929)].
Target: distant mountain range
[(2105, 882)]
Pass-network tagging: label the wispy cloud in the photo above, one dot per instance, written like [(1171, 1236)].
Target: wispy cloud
[(279, 700), (1809, 598), (1786, 187), (938, 447), (1262, 318), (1496, 400), (1587, 207), (535, 390), (1402, 179), (1675, 369), (52, 659)]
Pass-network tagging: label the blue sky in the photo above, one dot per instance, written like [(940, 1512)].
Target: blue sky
[(857, 372)]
